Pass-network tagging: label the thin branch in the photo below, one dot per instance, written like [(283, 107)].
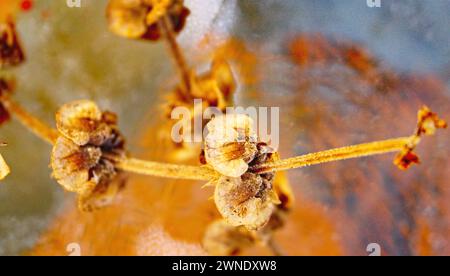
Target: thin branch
[(178, 57), (361, 150), (39, 128), (163, 169)]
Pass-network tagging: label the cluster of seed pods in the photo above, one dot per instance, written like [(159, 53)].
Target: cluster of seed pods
[(89, 157)]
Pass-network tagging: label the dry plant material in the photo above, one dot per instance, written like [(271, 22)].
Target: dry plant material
[(151, 20), (11, 53), (5, 88), (141, 19), (215, 88), (248, 200), (428, 123), (89, 152), (241, 196), (86, 134), (231, 144), (8, 107), (244, 195), (223, 239)]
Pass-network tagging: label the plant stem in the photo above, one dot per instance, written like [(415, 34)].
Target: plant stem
[(163, 169), (361, 150), (178, 57), (38, 127)]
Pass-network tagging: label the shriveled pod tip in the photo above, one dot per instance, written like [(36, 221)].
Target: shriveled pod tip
[(427, 124)]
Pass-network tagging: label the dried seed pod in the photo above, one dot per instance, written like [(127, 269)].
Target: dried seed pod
[(11, 53), (224, 77), (139, 19), (247, 201), (217, 86), (5, 88), (231, 148), (78, 157), (427, 124), (82, 122), (230, 144), (222, 239), (406, 158), (105, 192)]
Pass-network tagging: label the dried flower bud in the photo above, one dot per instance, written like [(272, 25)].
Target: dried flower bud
[(230, 144), (222, 239), (138, 19), (4, 168), (216, 86), (406, 158), (231, 148), (6, 87), (427, 123), (11, 53), (224, 77), (78, 157), (82, 123)]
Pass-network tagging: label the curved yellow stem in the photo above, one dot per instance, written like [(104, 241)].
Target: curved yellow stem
[(361, 150), (165, 170), (39, 128)]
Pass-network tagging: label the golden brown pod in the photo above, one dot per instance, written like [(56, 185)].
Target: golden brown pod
[(79, 156), (139, 19), (230, 144), (11, 53)]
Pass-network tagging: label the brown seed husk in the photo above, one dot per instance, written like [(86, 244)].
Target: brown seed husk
[(139, 19)]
